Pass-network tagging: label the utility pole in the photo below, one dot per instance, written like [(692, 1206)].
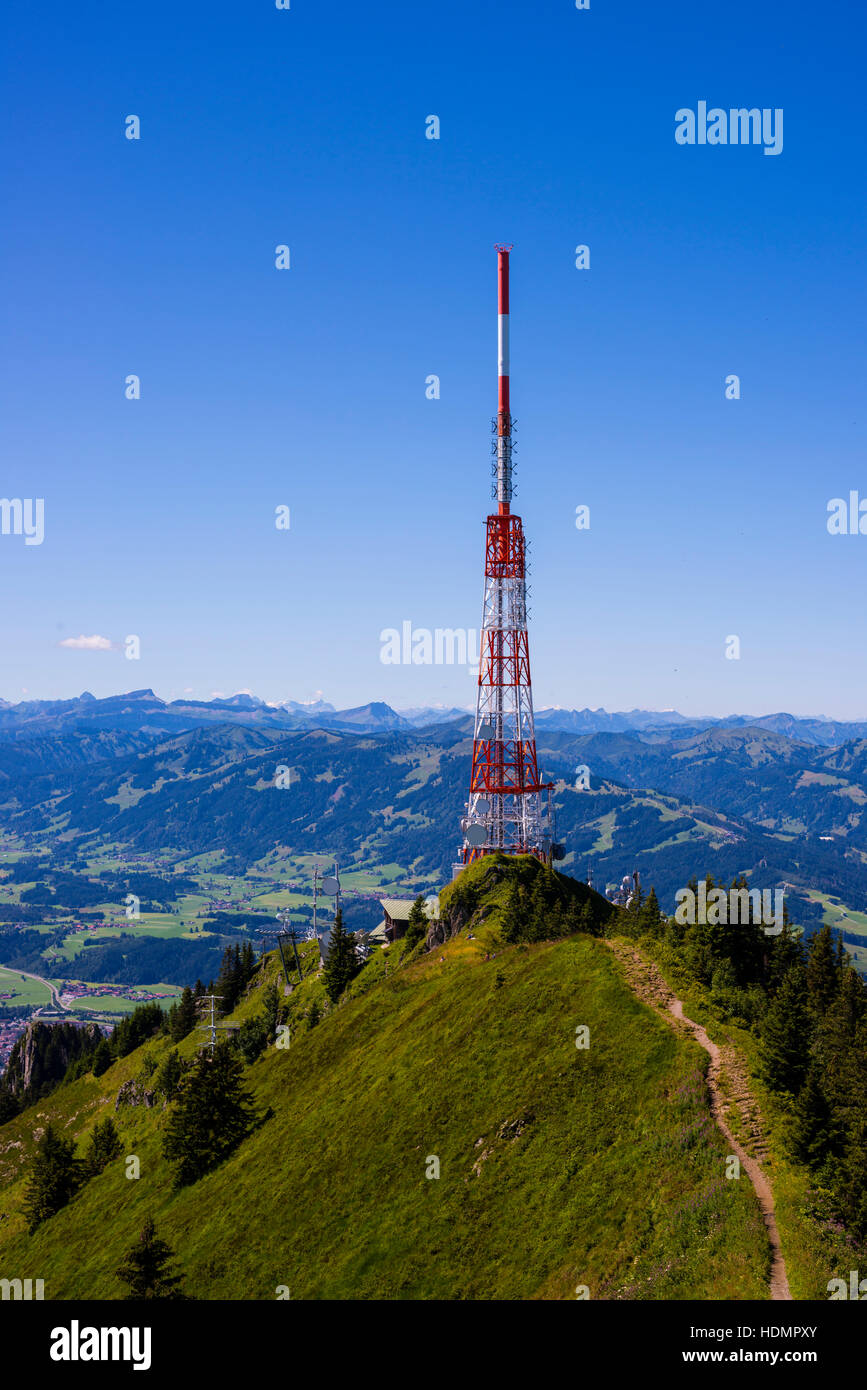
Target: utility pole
[(206, 1005)]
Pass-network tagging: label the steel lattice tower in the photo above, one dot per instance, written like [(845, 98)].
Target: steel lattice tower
[(505, 811)]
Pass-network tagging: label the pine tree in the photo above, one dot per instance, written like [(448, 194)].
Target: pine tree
[(853, 1183), (54, 1178), (810, 1133), (184, 1020), (511, 919), (314, 1015), (10, 1105), (745, 945), (341, 964), (651, 917), (253, 1038), (211, 1116), (103, 1147), (786, 1035), (838, 1058), (586, 919), (230, 982), (724, 982), (416, 928), (169, 1076), (540, 926), (636, 901), (103, 1057), (147, 1269), (786, 950), (248, 963), (823, 973)]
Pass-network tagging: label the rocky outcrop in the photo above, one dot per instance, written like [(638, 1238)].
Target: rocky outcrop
[(43, 1052), (132, 1092)]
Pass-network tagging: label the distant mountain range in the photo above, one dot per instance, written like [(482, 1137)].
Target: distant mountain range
[(724, 801), (141, 711), (782, 798)]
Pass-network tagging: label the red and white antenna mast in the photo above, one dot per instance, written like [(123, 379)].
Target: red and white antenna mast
[(505, 812)]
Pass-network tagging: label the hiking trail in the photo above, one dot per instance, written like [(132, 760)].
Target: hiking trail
[(728, 1083)]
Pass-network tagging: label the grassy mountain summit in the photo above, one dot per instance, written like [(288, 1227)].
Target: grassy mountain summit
[(560, 1165)]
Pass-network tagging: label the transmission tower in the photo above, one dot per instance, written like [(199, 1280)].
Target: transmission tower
[(505, 812)]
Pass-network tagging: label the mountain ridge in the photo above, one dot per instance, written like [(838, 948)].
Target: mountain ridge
[(144, 711)]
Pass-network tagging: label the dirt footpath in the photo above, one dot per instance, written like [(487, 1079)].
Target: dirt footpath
[(728, 1081)]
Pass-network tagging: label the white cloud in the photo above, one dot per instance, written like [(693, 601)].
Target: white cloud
[(87, 644)]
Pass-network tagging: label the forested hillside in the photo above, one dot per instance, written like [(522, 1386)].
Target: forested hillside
[(546, 1131)]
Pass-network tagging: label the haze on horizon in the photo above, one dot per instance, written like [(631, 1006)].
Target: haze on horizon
[(319, 698)]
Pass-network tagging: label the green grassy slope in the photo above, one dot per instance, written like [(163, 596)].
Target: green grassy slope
[(559, 1167), (816, 1248)]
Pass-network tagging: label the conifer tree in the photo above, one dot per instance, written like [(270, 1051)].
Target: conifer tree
[(539, 926), (54, 1179), (786, 949), (168, 1078), (586, 918), (636, 901), (651, 917), (248, 962), (103, 1147), (10, 1105), (253, 1038), (341, 963), (103, 1057), (823, 973), (183, 1020), (745, 944), (210, 1117), (511, 920), (853, 1182), (416, 927), (148, 1270), (838, 1057), (786, 1035), (230, 982), (810, 1138)]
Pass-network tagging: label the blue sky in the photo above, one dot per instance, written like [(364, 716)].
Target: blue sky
[(306, 387)]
